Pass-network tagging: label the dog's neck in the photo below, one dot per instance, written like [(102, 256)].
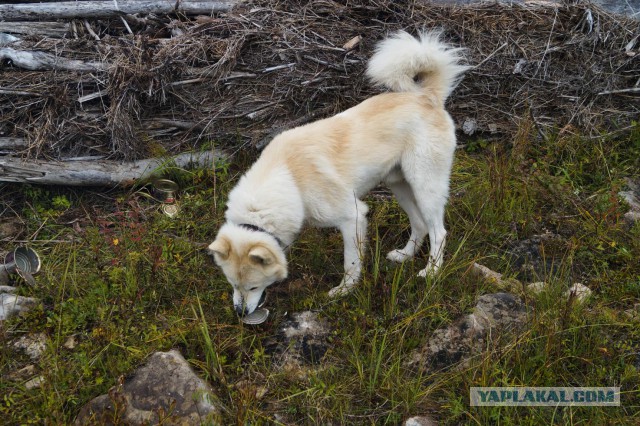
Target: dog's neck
[(257, 228), (268, 199)]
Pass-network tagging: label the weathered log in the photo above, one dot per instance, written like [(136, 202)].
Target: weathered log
[(34, 61), (49, 29), (98, 172), (108, 9), (12, 143), (6, 39)]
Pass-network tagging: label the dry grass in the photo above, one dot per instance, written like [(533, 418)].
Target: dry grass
[(236, 79)]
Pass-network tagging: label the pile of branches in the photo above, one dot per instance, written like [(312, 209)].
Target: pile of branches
[(144, 85)]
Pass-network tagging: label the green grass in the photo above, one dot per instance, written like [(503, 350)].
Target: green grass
[(127, 281)]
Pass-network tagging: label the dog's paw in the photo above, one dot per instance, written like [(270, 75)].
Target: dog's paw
[(341, 290), (429, 271), (398, 256)]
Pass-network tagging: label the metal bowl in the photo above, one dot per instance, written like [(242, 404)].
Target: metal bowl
[(256, 317)]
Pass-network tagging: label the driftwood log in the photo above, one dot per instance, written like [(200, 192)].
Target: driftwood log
[(108, 9), (49, 29), (35, 60), (97, 172)]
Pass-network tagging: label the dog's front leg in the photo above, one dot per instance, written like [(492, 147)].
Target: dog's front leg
[(354, 232)]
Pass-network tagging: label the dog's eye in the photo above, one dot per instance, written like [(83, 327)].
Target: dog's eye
[(253, 288)]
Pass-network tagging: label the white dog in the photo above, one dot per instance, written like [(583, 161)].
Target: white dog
[(317, 173)]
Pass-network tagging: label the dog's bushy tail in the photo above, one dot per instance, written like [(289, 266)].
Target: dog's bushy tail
[(404, 63)]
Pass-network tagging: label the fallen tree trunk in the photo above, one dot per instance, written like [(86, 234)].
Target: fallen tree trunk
[(35, 61), (98, 172), (49, 29), (108, 9), (12, 143)]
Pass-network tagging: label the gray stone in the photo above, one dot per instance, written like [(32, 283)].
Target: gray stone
[(537, 287), (494, 314), (469, 126), (579, 291), (300, 341), (10, 304), (33, 345), (631, 218), (34, 383), (634, 312), (538, 257), (632, 197), (496, 278), (22, 374), (420, 421), (70, 342), (165, 390)]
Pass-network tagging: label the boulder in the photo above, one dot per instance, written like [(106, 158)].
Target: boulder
[(165, 390), (493, 314)]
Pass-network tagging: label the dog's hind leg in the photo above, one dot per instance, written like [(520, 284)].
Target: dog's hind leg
[(354, 233), (437, 238), (429, 181), (407, 201)]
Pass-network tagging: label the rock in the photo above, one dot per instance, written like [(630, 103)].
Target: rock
[(469, 126), (33, 345), (12, 304), (165, 386), (420, 421), (534, 259), (34, 383), (579, 291), (493, 314), (506, 284), (634, 312), (300, 341), (70, 342), (22, 374), (537, 287), (631, 218), (632, 197)]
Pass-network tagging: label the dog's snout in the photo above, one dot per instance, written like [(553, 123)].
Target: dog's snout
[(240, 310)]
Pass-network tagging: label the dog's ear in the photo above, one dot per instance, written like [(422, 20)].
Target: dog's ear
[(220, 248), (261, 255)]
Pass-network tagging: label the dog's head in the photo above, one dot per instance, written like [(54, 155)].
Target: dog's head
[(251, 261)]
